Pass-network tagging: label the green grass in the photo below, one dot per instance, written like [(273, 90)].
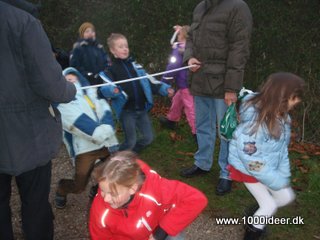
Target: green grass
[(168, 157)]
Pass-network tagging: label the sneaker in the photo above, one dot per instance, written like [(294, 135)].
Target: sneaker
[(165, 122), (60, 201)]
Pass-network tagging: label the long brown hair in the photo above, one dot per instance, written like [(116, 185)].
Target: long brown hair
[(271, 102)]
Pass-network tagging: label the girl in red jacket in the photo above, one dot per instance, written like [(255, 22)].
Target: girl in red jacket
[(134, 202)]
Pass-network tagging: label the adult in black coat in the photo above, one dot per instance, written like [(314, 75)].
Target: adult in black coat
[(30, 128), (29, 7)]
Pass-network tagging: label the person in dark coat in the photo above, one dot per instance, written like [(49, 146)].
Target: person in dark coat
[(218, 47), (88, 55), (30, 128), (29, 7)]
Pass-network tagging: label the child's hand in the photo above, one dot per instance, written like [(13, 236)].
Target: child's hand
[(177, 28), (170, 92), (116, 90)]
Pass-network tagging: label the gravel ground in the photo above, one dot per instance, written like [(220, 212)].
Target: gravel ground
[(71, 222)]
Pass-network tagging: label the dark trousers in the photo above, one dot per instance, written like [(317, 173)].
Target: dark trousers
[(36, 212), (84, 164)]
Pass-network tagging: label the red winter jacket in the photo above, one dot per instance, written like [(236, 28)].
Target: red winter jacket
[(170, 204)]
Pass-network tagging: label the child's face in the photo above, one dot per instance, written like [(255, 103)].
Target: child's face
[(120, 48), (71, 78), (89, 33), (293, 101), (116, 200), (181, 36)]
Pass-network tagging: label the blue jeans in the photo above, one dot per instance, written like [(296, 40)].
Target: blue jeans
[(209, 113), (133, 121)]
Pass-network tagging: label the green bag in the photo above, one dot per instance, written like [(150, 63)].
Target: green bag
[(229, 122)]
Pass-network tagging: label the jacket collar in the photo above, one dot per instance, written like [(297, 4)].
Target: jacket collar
[(127, 60)]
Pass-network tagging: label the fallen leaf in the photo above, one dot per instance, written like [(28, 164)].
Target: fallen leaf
[(305, 157), (297, 162), (175, 137), (295, 180), (303, 169), (297, 188), (190, 154)]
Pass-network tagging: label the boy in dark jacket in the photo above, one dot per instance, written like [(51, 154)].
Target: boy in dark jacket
[(88, 55), (134, 114)]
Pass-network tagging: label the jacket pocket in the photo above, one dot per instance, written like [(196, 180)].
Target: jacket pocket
[(214, 85), (208, 84)]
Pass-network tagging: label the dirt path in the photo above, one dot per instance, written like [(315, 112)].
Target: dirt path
[(71, 222)]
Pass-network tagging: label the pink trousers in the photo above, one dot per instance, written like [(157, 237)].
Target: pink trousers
[(183, 100)]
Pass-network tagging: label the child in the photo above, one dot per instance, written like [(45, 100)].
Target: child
[(88, 55), (134, 202), (134, 114), (258, 151), (88, 134), (182, 100)]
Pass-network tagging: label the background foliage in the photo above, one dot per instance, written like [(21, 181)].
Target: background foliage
[(285, 38)]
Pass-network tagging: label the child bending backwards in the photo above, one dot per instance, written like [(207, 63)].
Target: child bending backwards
[(134, 114), (134, 202), (88, 134), (182, 100), (258, 152)]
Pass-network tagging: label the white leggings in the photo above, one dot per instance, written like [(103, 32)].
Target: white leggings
[(269, 200)]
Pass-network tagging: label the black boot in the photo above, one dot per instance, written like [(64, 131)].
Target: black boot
[(250, 211), (252, 233), (195, 138), (165, 122), (224, 186)]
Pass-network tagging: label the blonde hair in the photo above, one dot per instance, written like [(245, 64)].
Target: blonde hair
[(120, 169), (114, 37)]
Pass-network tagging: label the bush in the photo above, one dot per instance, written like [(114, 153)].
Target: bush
[(285, 38)]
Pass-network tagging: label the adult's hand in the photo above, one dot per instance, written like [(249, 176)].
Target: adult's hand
[(194, 61), (230, 97)]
